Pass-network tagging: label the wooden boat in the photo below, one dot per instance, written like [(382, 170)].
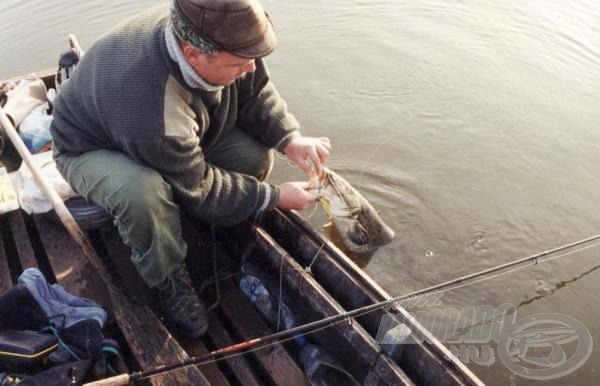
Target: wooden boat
[(284, 244)]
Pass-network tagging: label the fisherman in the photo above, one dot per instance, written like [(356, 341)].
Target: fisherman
[(174, 111)]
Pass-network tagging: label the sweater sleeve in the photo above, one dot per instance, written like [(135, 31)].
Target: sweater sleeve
[(204, 190), (170, 144), (263, 113)]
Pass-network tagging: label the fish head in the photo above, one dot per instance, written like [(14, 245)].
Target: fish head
[(360, 227)]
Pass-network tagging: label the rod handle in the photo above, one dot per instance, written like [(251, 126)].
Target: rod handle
[(117, 380)]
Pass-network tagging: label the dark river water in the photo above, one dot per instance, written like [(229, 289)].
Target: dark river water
[(473, 126)]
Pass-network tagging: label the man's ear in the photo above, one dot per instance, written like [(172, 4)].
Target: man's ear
[(190, 53)]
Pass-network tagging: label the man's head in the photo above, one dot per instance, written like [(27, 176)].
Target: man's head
[(221, 38)]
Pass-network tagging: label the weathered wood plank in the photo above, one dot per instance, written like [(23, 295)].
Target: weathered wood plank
[(217, 334), (210, 370), (352, 293), (160, 347), (239, 367), (16, 252), (120, 256), (385, 369), (38, 247), (426, 362), (136, 321), (23, 243), (150, 342), (365, 352), (9, 250), (6, 282), (199, 262), (275, 360), (70, 267)]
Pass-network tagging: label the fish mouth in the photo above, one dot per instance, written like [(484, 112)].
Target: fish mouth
[(360, 239), (358, 224)]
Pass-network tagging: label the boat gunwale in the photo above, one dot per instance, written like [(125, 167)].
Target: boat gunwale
[(376, 292)]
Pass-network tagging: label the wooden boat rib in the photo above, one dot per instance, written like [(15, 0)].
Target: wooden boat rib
[(283, 243), (354, 289)]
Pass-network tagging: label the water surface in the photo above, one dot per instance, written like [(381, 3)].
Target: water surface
[(472, 126)]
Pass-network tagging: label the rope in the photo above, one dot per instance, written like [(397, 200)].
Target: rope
[(62, 344), (215, 269), (105, 349), (280, 291), (309, 268)]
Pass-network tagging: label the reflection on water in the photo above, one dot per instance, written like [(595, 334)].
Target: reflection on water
[(471, 126), (544, 289)]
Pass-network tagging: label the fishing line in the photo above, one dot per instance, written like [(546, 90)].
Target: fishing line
[(312, 213), (311, 327), (460, 281), (241, 353), (516, 269), (505, 273), (364, 166)]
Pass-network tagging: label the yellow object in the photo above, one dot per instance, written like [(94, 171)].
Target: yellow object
[(32, 356), (8, 196)]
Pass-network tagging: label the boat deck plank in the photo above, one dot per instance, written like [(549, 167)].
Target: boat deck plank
[(6, 281), (239, 369), (22, 241), (9, 247), (210, 370), (238, 365), (352, 294), (77, 276), (277, 367), (275, 360), (199, 262), (362, 348), (30, 241), (71, 269), (120, 257)]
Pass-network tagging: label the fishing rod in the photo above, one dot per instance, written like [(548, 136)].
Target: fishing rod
[(124, 379)]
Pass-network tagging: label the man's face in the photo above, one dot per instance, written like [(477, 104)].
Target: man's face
[(221, 69)]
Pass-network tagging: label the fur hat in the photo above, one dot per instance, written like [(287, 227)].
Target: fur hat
[(240, 27)]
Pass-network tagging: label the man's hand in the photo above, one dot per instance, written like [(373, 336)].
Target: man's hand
[(294, 195), (306, 150)]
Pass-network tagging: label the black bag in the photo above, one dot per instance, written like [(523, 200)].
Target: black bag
[(20, 311), (64, 375)]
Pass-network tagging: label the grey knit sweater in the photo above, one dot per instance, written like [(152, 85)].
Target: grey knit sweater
[(127, 94)]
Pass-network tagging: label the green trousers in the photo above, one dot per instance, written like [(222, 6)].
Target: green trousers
[(142, 203)]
